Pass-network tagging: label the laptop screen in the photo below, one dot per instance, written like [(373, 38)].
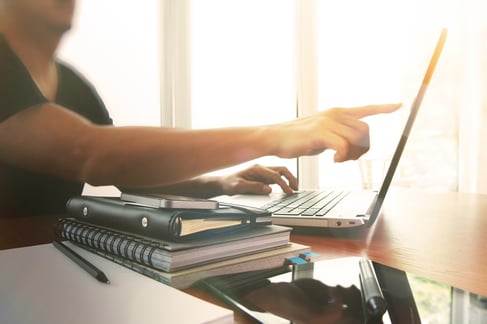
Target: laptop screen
[(407, 129)]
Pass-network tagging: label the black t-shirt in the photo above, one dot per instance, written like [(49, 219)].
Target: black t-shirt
[(23, 191)]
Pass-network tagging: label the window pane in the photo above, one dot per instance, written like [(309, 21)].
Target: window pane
[(378, 53), (243, 64)]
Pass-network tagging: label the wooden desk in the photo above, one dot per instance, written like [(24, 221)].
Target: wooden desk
[(439, 236), (26, 231)]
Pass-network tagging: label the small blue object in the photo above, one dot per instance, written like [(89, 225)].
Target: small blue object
[(309, 254), (296, 260)]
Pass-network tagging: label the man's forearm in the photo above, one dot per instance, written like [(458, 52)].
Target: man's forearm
[(148, 157)]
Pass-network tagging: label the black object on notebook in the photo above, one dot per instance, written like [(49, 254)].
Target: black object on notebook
[(162, 223)]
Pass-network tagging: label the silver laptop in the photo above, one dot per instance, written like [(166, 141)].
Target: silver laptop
[(340, 209)]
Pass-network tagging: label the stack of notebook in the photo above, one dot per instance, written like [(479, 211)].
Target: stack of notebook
[(177, 246)]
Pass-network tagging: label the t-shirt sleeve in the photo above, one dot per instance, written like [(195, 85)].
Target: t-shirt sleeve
[(17, 89)]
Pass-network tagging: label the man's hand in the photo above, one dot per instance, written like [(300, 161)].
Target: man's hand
[(257, 180), (338, 129)]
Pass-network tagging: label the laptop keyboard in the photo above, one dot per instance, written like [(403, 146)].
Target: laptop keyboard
[(306, 203)]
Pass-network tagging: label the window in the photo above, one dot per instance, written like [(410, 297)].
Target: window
[(246, 68), (377, 52), (243, 64)]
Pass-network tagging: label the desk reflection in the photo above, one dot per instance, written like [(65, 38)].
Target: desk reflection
[(315, 292), (307, 301)]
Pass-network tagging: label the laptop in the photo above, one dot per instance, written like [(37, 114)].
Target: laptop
[(338, 208)]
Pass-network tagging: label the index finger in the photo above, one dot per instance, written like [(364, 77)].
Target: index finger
[(364, 111), (291, 179)]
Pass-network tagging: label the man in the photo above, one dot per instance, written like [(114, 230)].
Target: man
[(55, 133)]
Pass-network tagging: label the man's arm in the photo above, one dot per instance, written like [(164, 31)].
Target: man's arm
[(52, 140)]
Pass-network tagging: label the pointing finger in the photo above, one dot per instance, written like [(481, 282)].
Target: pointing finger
[(364, 111)]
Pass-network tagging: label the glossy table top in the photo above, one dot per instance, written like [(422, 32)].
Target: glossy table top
[(439, 236)]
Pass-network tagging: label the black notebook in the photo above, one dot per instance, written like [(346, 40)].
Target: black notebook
[(162, 223)]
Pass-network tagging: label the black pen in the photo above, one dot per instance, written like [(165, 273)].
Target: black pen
[(79, 260), (374, 302)]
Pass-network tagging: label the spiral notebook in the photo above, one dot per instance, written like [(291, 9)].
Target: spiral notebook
[(169, 255)]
